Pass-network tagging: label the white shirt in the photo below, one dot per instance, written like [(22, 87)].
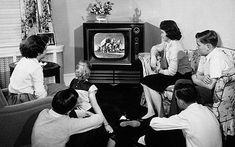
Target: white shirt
[(199, 125), (53, 130), (27, 77), (215, 64), (84, 101), (176, 57)]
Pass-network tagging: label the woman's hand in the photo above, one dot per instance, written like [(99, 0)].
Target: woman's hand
[(46, 87), (108, 128), (153, 67), (153, 64), (207, 80)]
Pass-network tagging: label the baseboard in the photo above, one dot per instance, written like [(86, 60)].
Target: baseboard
[(68, 78)]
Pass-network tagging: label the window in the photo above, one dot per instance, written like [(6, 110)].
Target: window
[(10, 25), (10, 37)]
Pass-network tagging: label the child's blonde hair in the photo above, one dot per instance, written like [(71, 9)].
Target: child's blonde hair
[(83, 70)]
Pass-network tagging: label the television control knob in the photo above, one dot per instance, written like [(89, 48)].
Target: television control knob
[(136, 48), (136, 39), (136, 30)]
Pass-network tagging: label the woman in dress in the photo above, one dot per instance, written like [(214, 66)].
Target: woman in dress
[(174, 65)]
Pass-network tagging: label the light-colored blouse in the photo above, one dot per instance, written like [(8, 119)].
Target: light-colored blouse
[(27, 77), (84, 100), (176, 57)]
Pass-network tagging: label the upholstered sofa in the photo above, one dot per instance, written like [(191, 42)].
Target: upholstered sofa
[(16, 121), (224, 93)]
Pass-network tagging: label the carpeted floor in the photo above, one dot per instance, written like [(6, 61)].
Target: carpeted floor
[(125, 97), (121, 99)]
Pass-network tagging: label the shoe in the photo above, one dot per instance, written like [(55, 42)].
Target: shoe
[(132, 123), (136, 144), (112, 136), (146, 119), (123, 117), (143, 117), (141, 140)]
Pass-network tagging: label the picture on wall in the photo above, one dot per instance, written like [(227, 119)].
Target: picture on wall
[(51, 38)]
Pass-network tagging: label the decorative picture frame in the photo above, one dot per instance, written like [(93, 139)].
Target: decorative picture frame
[(51, 37)]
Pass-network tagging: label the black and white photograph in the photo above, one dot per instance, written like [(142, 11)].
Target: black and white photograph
[(117, 73)]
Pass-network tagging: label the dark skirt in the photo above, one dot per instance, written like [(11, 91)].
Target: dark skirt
[(160, 82), (14, 98), (20, 98)]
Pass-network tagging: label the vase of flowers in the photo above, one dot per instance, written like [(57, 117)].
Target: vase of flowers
[(100, 10), (101, 18)]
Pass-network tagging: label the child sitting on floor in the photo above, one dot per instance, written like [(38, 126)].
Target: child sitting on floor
[(55, 128), (87, 92)]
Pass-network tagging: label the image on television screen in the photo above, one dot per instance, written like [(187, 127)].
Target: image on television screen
[(109, 45)]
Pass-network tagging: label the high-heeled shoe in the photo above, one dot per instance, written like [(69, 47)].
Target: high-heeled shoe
[(144, 117)]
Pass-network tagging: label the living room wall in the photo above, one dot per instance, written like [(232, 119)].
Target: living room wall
[(191, 16)]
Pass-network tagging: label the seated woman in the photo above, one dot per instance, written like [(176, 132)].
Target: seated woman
[(27, 81), (213, 64), (174, 65)]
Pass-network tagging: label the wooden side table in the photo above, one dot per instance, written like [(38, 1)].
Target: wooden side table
[(49, 70)]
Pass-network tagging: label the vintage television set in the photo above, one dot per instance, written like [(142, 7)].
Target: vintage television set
[(113, 47)]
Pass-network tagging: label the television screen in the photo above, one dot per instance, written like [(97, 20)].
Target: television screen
[(109, 45)]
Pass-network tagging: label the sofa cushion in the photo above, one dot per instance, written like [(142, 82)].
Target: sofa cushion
[(194, 58), (230, 53)]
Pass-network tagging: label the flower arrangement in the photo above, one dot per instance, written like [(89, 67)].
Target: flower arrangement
[(98, 8)]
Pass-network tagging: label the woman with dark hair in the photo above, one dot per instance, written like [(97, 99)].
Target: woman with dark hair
[(27, 81), (174, 65)]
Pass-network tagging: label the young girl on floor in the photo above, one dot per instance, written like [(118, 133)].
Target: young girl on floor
[(87, 92)]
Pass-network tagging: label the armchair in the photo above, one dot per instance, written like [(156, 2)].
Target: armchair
[(17, 120), (224, 104)]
